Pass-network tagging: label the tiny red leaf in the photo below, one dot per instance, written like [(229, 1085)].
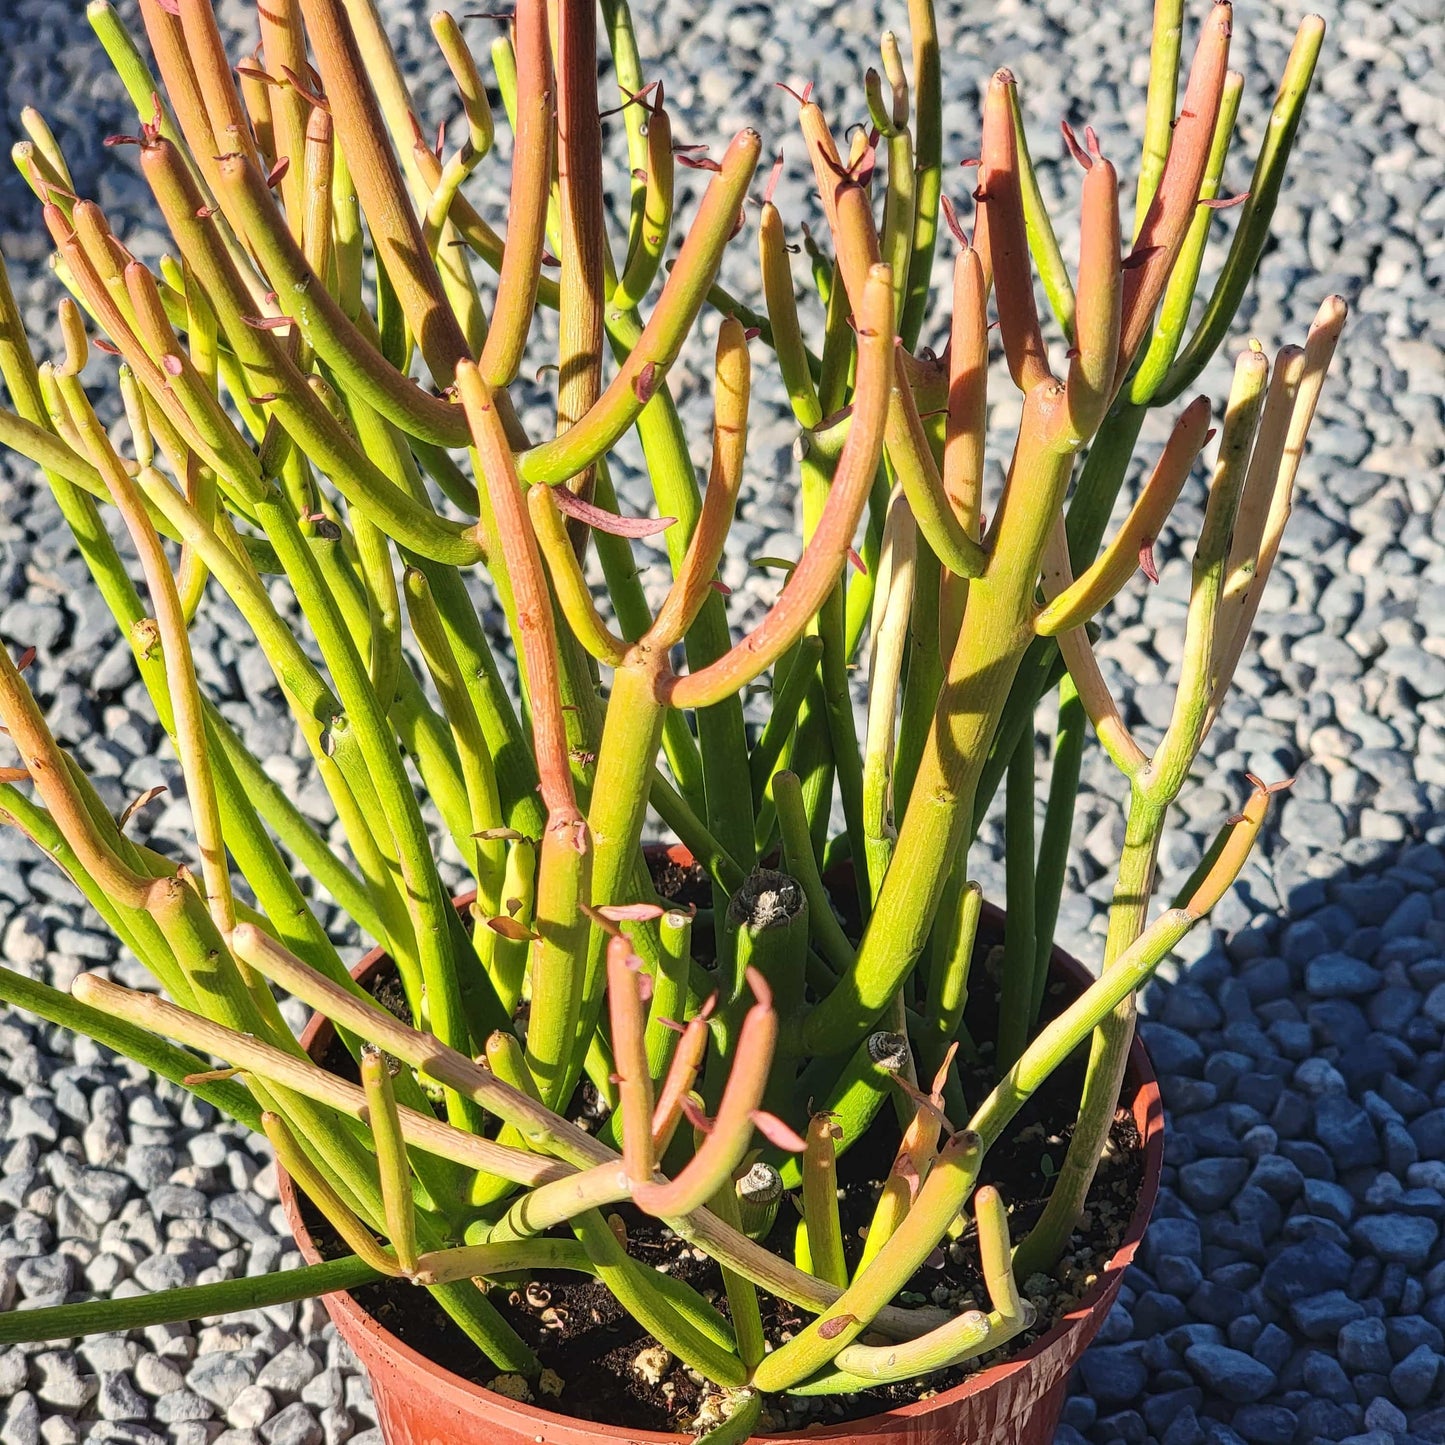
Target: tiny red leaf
[(695, 1116), (631, 912), (602, 520), (510, 928), (775, 1131), (136, 804)]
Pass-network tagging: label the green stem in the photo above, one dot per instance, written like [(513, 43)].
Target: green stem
[(802, 864), (191, 1302), (1058, 833), (1015, 1006)]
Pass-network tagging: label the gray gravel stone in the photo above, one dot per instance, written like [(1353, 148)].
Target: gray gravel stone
[(295, 1425), (222, 1376), (290, 1371)]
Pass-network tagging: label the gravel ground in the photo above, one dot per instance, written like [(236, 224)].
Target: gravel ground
[(1292, 1287)]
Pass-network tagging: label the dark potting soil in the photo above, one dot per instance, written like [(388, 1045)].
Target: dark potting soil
[(600, 1365)]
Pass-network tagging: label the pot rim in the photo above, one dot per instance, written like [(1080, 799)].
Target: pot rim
[(1142, 1089)]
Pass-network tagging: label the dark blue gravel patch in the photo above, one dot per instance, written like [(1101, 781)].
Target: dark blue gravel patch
[(1291, 1287)]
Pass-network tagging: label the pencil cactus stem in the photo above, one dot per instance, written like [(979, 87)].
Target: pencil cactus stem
[(731, 391), (948, 1185), (802, 865), (1088, 679), (759, 1193), (45, 144), (1002, 239), (732, 1131), (283, 46), (669, 991), (661, 339), (1169, 325), (824, 557), (1166, 223), (172, 56), (468, 80), (582, 227), (1098, 312), (792, 679), (565, 862), (133, 400), (1241, 604), (901, 197), (395, 230), (629, 1051), (45, 762), (574, 596), (963, 447), (42, 178), (820, 1202), (230, 128), (560, 1200), (1043, 241), (385, 1121), (928, 163), (1252, 230), (314, 1184), (677, 1082), (996, 1256), (1119, 561), (645, 257), (190, 727), (1166, 42), (321, 318), (892, 606), (477, 765), (478, 1261), (521, 263), (1185, 731), (782, 308)]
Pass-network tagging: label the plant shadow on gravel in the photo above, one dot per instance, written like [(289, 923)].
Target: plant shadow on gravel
[(1291, 1286)]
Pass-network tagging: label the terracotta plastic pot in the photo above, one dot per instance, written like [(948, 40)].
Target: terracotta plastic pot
[(1016, 1403)]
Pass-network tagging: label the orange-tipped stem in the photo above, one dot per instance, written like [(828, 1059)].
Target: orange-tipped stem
[(1002, 238), (283, 44), (963, 446), (1099, 303), (629, 1053), (1166, 222), (681, 1076), (582, 229), (521, 266), (732, 1131), (385, 201), (825, 555), (1120, 560), (731, 390)]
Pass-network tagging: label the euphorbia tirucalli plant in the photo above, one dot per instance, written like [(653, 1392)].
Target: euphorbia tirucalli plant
[(318, 397)]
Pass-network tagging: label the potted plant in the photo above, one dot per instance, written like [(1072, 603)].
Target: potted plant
[(774, 1112)]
